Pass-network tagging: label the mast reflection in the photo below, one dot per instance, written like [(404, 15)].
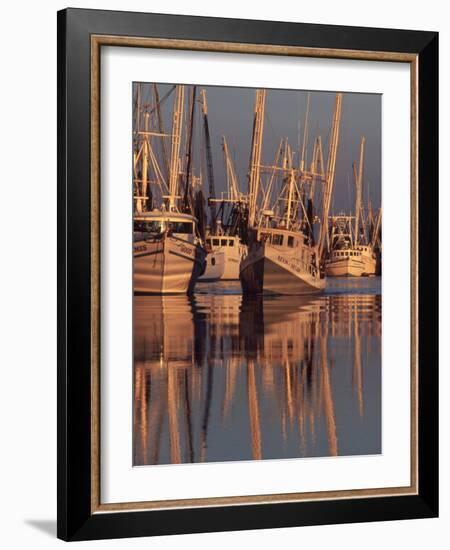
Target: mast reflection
[(222, 377)]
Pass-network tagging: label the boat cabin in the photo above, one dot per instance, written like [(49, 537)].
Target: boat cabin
[(158, 223), (281, 238), (366, 250), (346, 253), (221, 241)]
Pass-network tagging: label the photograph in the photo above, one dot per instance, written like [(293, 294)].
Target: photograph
[(257, 266), (247, 272)]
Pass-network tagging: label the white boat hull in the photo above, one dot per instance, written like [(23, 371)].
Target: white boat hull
[(232, 261), (344, 267), (233, 256), (168, 265), (269, 270), (215, 267), (370, 264)]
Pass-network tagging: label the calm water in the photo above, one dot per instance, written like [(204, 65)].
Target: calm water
[(220, 377)]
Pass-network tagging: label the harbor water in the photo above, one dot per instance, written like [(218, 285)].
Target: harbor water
[(219, 376)]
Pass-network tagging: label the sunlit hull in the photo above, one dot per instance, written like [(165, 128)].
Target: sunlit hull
[(345, 267), (268, 270), (226, 260), (215, 267), (167, 266), (231, 271), (370, 264)]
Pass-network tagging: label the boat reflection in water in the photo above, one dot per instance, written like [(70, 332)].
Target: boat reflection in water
[(220, 377)]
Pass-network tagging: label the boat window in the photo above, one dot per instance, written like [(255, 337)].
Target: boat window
[(180, 227), (154, 226), (223, 242), (216, 242), (277, 239), (231, 242), (291, 241)]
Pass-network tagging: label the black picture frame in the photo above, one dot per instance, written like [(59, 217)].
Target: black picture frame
[(75, 518)]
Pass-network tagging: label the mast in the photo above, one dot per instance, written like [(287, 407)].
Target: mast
[(137, 107), (144, 175), (177, 124), (267, 193), (161, 130), (305, 133), (209, 163), (255, 158), (232, 184), (189, 149), (289, 198), (358, 184), (316, 165), (330, 172)]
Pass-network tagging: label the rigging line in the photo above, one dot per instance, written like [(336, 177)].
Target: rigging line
[(160, 102)]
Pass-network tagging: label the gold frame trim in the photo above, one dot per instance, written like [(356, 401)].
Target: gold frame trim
[(97, 41)]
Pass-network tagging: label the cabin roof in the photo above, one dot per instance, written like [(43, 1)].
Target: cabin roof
[(166, 216)]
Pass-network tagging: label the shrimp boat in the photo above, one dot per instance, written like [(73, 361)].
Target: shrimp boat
[(168, 245), (168, 256), (281, 262), (344, 259), (345, 263), (225, 253), (223, 242), (224, 258), (283, 256), (351, 250)]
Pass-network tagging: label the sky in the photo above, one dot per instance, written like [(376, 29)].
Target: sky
[(230, 112)]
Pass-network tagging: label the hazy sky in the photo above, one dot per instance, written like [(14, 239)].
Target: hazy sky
[(230, 111)]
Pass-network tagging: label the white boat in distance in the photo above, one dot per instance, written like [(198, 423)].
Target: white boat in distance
[(168, 257), (345, 262), (225, 253), (351, 248), (369, 258)]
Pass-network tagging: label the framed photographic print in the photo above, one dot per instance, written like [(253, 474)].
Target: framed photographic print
[(247, 255)]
